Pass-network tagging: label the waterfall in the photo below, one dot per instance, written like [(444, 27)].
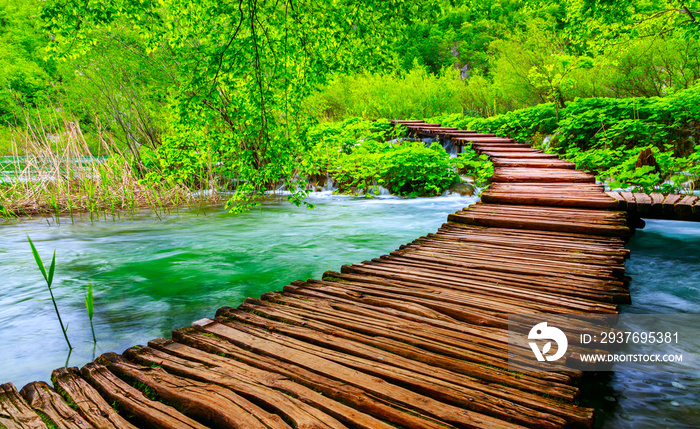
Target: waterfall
[(450, 147)]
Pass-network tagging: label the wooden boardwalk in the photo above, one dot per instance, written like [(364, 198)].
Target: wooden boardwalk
[(413, 339), (529, 176)]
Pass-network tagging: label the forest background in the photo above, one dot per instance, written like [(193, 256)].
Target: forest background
[(232, 99)]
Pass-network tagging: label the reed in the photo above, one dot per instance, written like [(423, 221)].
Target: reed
[(90, 306), (58, 174), (49, 281)]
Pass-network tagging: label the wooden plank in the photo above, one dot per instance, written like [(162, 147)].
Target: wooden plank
[(340, 339), (602, 292), (87, 400), (503, 263), (443, 345), (44, 399), (278, 346), (643, 202), (374, 405), (15, 413), (534, 163), (213, 405), (559, 239), (669, 204), (466, 133), (437, 242), (476, 278), (538, 224), (509, 154), (684, 207), (135, 404), (185, 361), (546, 199), (622, 202)]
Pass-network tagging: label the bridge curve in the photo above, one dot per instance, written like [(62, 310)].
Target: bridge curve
[(413, 339)]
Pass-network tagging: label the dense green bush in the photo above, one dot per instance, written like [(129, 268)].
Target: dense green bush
[(407, 169), (468, 162), (355, 153)]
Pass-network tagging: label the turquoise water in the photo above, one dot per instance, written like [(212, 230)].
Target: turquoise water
[(665, 271), (151, 276)]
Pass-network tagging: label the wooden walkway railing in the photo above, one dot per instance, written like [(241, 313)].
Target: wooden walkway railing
[(413, 339)]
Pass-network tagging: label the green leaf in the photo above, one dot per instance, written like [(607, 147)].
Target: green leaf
[(89, 301), (52, 268), (37, 258)]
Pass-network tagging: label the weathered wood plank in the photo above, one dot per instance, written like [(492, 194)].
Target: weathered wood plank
[(15, 413), (684, 207), (374, 405), (287, 397), (44, 399), (147, 412), (445, 385), (210, 404), (276, 345), (87, 400)]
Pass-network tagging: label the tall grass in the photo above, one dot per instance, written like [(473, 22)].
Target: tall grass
[(58, 174), (416, 94)]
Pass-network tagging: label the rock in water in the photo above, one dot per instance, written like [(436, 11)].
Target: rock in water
[(463, 189)]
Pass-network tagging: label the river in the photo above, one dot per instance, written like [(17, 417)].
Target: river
[(151, 276), (665, 269)]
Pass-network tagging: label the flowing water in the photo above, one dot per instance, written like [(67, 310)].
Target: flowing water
[(151, 276), (665, 270)]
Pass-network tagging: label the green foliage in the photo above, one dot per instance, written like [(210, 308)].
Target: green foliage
[(25, 76), (478, 166), (414, 94), (224, 96), (328, 141), (355, 154), (521, 53), (406, 169), (605, 136), (242, 70), (521, 125)]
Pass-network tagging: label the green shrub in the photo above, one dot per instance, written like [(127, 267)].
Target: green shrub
[(406, 169), (478, 166)]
